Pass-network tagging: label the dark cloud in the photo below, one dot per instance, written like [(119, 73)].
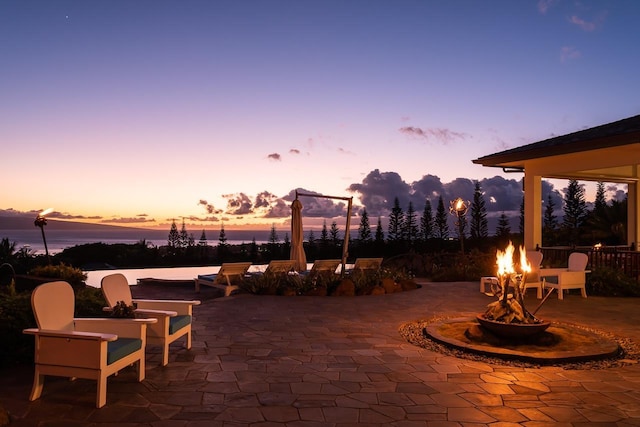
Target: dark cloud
[(274, 156), (444, 136), (378, 191), (294, 151), (209, 207), (238, 204)]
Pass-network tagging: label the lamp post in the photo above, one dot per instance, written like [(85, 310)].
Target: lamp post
[(459, 207), (41, 221)]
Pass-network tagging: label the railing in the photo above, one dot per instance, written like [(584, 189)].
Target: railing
[(621, 258)]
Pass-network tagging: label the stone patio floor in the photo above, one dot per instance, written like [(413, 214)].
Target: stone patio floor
[(340, 361)]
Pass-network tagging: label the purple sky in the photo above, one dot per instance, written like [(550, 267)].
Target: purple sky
[(137, 112)]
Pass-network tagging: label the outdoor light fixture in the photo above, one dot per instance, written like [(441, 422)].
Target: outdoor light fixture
[(459, 208), (41, 221)]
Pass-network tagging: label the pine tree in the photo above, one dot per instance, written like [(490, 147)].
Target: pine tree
[(334, 232), (364, 230), (396, 218), (503, 230), (521, 225), (324, 235), (312, 238), (223, 247), (441, 224), (379, 238), (273, 242), (273, 236), (203, 239), (222, 237), (184, 236), (173, 241), (549, 222), (600, 202), (575, 210), (426, 222), (479, 227), (410, 225)]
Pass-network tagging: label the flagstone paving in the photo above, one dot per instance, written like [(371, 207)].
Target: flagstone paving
[(340, 361)]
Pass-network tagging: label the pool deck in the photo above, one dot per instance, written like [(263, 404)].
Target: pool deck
[(340, 361)]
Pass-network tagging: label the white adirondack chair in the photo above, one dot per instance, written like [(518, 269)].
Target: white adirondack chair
[(174, 316), (91, 348)]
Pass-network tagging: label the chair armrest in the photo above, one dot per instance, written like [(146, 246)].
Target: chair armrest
[(157, 313), (180, 307), (71, 334), (126, 328)]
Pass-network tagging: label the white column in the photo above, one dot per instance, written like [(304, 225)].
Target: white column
[(633, 210), (532, 210)]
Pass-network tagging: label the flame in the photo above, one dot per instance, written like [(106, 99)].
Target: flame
[(524, 262), (45, 212), (504, 260)]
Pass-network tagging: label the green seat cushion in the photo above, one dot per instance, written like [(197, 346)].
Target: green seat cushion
[(122, 347), (178, 322)]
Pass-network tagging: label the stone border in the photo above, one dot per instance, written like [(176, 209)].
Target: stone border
[(414, 333)]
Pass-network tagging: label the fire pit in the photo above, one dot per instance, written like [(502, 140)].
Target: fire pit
[(508, 316), (512, 330)]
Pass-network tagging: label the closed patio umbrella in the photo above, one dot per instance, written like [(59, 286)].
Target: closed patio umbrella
[(297, 248)]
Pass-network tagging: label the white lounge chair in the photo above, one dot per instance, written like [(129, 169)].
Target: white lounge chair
[(174, 316), (226, 278), (91, 348)]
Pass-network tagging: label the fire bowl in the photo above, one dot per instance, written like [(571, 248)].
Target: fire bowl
[(513, 330)]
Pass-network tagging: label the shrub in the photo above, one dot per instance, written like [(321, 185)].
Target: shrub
[(74, 276), (606, 281), (16, 315)]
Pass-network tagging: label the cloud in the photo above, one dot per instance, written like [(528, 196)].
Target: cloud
[(586, 25), (378, 191), (238, 204), (274, 156), (544, 5), (568, 53), (130, 220), (294, 151), (209, 207), (444, 136)]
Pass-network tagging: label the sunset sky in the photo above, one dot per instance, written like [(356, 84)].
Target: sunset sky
[(138, 112)]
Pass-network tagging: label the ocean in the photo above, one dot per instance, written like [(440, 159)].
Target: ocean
[(59, 239)]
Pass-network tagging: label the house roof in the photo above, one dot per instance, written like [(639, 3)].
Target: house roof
[(615, 134)]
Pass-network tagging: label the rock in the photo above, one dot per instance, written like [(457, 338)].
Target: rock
[(346, 288), (408, 285), (377, 290), (389, 285), (4, 417), (320, 291)]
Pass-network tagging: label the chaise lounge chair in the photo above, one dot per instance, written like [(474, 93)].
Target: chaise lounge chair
[(324, 267), (174, 316), (228, 276)]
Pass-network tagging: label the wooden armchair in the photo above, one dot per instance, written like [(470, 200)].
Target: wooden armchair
[(81, 348), (174, 316)]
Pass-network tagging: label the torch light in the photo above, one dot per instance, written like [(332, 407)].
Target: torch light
[(41, 221), (459, 208)]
